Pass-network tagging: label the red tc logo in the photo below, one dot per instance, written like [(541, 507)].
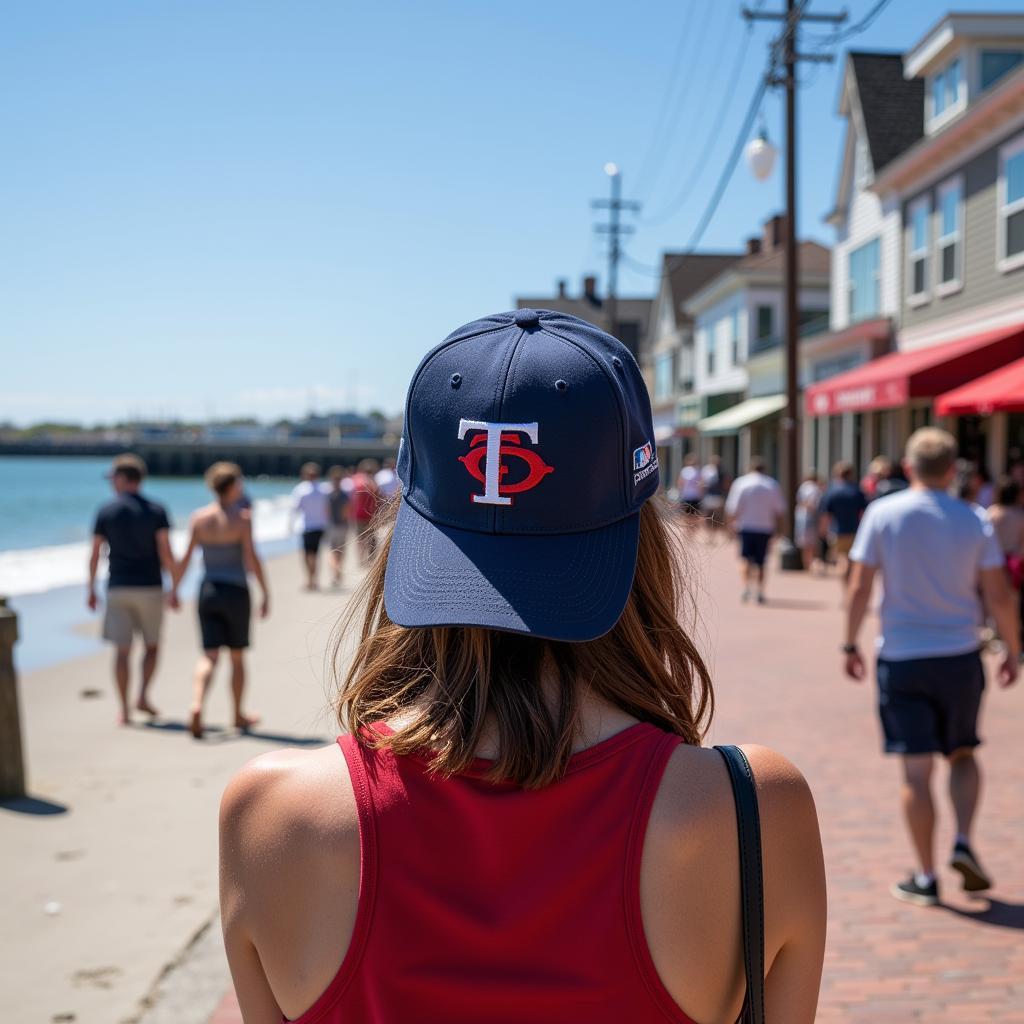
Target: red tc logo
[(497, 442)]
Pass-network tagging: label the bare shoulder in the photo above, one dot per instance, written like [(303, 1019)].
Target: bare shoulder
[(785, 802), (289, 789)]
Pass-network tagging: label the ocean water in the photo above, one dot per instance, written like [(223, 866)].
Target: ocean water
[(47, 508)]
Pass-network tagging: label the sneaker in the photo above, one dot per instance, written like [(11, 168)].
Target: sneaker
[(964, 861), (761, 599), (745, 596), (920, 895)]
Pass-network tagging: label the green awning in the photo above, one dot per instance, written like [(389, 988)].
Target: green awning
[(733, 419)]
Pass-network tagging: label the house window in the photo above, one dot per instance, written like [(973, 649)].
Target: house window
[(946, 92), (1011, 204), (664, 376), (864, 281), (917, 275), (711, 356), (950, 227), (765, 322), (735, 337), (996, 63)]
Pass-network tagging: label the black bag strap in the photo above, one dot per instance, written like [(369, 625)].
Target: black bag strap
[(751, 880)]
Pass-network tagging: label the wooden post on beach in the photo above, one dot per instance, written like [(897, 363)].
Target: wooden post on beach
[(12, 764)]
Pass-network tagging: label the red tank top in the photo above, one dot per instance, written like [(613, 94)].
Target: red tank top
[(487, 902)]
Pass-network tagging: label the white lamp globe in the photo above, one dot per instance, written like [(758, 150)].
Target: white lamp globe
[(761, 156), (611, 169)]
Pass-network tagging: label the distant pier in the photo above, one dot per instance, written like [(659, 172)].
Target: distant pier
[(191, 458)]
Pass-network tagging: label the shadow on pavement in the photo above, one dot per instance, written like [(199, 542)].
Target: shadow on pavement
[(218, 734), (994, 912), (33, 805)]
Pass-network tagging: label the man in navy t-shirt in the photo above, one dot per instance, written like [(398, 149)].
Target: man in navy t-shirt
[(134, 531), (839, 513)]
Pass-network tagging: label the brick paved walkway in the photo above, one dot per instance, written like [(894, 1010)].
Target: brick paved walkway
[(778, 683)]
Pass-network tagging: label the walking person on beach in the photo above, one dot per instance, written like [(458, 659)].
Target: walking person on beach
[(134, 531), (755, 508), (524, 715), (339, 496), (934, 555), (365, 498), (223, 531), (311, 507)]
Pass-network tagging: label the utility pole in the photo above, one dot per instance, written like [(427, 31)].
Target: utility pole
[(796, 11), (614, 230)]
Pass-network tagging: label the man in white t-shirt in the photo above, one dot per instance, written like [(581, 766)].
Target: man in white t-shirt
[(934, 555), (311, 506), (691, 490), (387, 480), (755, 508)]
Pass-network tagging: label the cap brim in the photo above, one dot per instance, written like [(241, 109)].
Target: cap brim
[(570, 586)]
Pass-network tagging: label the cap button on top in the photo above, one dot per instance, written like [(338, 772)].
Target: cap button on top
[(527, 317)]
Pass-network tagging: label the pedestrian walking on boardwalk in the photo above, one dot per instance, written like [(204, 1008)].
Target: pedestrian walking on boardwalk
[(135, 533), (933, 554), (808, 532), (839, 514), (223, 530), (520, 823), (690, 486), (339, 496), (311, 507), (755, 508)]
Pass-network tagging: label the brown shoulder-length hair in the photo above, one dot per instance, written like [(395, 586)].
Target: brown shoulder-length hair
[(450, 678)]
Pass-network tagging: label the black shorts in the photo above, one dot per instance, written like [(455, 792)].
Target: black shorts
[(754, 546), (930, 705), (224, 610), (311, 541)]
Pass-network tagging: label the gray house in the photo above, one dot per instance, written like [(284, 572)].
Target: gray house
[(959, 190)]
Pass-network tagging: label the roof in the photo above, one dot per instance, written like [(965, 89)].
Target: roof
[(813, 258), (627, 309), (687, 273), (893, 106)]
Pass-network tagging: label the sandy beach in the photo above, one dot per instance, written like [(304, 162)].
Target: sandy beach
[(111, 866)]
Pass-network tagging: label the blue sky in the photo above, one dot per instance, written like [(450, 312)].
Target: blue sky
[(226, 207)]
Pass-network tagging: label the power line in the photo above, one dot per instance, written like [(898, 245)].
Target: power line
[(664, 126), (720, 187), (728, 96), (839, 35)]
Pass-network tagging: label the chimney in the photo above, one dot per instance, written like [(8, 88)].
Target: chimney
[(753, 246), (774, 229), (590, 289), (561, 287)]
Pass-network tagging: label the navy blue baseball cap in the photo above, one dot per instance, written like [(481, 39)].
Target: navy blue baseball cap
[(528, 451)]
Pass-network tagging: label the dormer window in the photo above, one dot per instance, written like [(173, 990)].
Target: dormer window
[(996, 63), (947, 94)]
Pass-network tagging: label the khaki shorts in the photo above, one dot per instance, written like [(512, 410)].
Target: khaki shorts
[(132, 610), (336, 537), (842, 543)]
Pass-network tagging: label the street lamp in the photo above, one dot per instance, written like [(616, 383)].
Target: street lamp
[(761, 154)]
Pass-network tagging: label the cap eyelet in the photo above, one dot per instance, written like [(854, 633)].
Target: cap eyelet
[(617, 363), (456, 379), (560, 385)]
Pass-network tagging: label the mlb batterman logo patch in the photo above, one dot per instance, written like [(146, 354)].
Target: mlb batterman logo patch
[(645, 462)]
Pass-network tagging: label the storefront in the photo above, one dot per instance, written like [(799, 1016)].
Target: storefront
[(875, 407), (746, 429), (832, 435), (991, 408)]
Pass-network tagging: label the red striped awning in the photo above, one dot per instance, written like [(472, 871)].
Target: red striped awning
[(999, 391), (894, 379)]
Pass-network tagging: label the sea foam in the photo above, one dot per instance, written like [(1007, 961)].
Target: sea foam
[(35, 570)]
